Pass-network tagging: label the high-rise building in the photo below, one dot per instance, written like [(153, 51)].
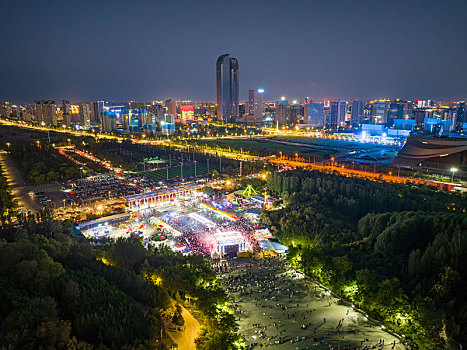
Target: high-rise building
[(108, 120), (357, 112), (187, 113), (255, 105), (460, 117), (227, 84), (337, 113), (380, 112), (84, 115), (168, 124), (26, 116), (100, 109), (171, 107), (282, 107), (96, 109), (158, 111), (419, 114), (66, 113), (46, 112), (449, 114), (38, 111), (314, 114), (395, 111), (294, 114), (66, 107)]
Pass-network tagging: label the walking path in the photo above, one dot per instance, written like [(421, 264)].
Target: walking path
[(185, 339), (18, 187)]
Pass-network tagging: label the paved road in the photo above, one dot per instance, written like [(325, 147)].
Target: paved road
[(272, 303), (186, 339), (360, 173), (17, 184)]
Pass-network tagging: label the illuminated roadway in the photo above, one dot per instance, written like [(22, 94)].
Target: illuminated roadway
[(356, 173), (18, 187), (174, 143), (240, 156)]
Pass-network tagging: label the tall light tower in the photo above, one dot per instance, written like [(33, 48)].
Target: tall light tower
[(453, 169)]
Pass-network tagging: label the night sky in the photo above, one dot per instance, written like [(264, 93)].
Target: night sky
[(144, 50)]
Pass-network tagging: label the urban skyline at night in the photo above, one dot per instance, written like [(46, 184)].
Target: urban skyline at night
[(233, 175), (335, 49)]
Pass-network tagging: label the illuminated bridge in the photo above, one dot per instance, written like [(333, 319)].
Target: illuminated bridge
[(150, 199)]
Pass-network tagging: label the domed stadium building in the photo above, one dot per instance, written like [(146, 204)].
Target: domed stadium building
[(425, 150)]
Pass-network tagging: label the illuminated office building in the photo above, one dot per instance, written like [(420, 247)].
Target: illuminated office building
[(227, 84)]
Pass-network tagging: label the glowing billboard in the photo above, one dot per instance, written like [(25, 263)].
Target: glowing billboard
[(187, 112)]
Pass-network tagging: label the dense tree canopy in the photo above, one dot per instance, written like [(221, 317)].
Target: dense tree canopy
[(62, 292), (41, 164), (395, 250)]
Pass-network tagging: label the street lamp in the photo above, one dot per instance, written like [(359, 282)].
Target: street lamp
[(453, 171)]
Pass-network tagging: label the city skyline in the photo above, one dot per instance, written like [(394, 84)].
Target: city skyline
[(120, 51), (150, 198)]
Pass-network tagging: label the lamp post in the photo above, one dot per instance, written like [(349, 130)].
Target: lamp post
[(453, 171)]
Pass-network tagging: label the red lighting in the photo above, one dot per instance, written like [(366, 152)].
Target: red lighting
[(187, 112)]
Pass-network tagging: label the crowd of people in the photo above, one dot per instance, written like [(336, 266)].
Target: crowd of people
[(203, 238), (278, 307)]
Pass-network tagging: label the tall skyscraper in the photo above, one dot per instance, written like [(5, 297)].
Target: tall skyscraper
[(460, 117), (314, 114), (357, 112), (66, 113), (227, 84), (84, 115), (280, 112), (171, 107), (255, 105), (337, 113), (96, 109), (380, 112)]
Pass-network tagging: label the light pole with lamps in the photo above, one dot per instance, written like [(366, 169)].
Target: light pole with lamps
[(453, 171)]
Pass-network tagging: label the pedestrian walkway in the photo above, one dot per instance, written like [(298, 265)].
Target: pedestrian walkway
[(278, 307), (185, 338), (18, 187)]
